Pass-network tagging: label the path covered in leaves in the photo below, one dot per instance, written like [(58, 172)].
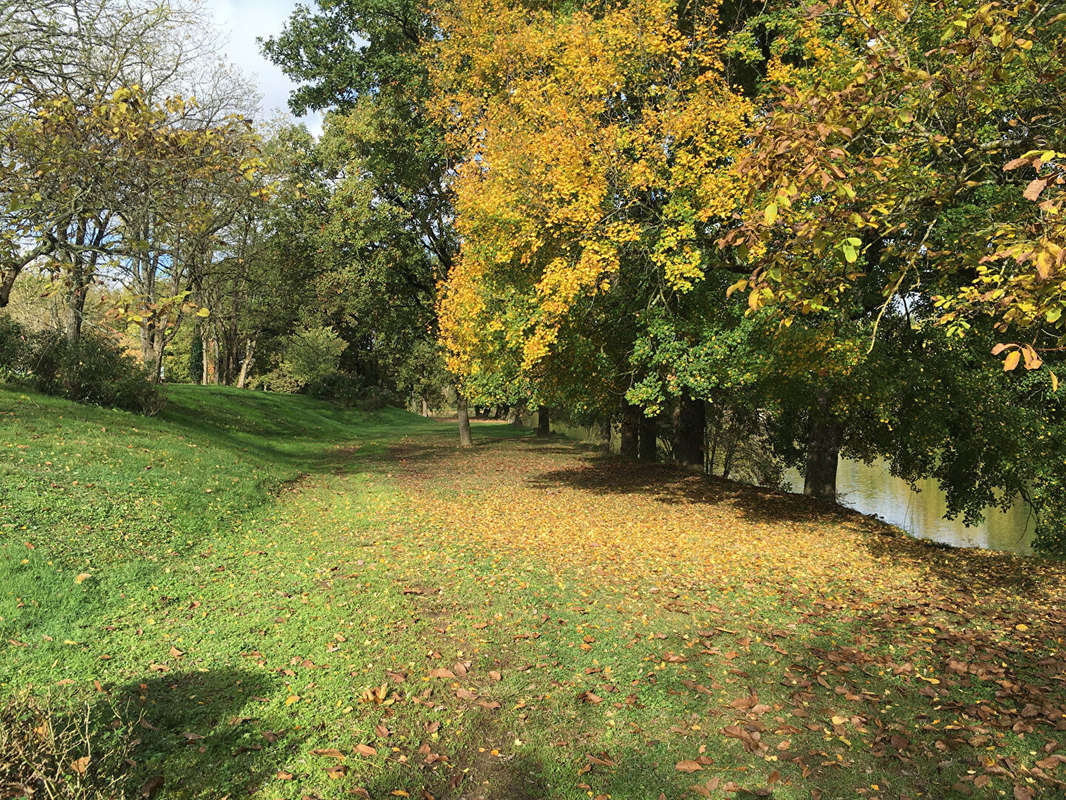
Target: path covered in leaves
[(751, 641)]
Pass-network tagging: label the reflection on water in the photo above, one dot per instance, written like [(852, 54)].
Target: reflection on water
[(871, 489)]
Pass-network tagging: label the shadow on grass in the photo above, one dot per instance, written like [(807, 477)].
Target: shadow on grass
[(199, 733), (671, 484)]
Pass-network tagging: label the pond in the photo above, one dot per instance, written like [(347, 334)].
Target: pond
[(872, 489)]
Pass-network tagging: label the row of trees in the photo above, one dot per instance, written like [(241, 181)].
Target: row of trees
[(123, 156), (812, 222), (142, 201), (807, 227)]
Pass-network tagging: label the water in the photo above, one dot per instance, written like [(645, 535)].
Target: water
[(872, 489)]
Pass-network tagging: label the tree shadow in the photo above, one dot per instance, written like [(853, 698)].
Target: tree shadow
[(671, 484), (973, 571), (198, 732)]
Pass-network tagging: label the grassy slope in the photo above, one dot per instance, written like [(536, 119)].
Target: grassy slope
[(748, 638)]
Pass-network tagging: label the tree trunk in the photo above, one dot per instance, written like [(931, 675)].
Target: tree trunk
[(544, 427), (465, 440), (205, 356), (630, 432), (77, 286), (147, 338), (425, 407), (730, 455), (518, 410), (76, 303), (7, 282), (154, 361), (823, 451), (648, 436), (249, 357), (691, 422)]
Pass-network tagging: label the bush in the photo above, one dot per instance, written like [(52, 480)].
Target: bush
[(349, 390), (311, 354), (91, 371), (12, 344), (81, 754)]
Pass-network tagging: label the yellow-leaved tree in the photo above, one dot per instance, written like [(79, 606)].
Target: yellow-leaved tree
[(593, 151)]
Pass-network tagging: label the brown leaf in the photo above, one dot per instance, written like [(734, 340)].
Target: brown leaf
[(366, 750), (337, 772), (151, 786), (441, 672), (282, 775), (590, 697), (688, 765), (328, 752), (1032, 192), (80, 765)]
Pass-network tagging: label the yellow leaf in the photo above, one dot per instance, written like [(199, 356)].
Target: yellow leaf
[(770, 214), (292, 698), (1012, 359), (84, 576)]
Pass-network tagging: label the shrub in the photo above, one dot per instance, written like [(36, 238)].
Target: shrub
[(311, 354), (12, 344), (349, 390), (91, 371), (66, 754)]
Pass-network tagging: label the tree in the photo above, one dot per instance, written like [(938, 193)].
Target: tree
[(900, 150), (390, 226), (63, 63), (593, 147)]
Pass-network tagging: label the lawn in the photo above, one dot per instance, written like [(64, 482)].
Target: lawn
[(281, 599)]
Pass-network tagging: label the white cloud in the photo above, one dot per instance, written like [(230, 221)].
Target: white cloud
[(240, 22)]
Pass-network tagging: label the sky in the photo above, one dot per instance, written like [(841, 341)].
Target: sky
[(240, 22)]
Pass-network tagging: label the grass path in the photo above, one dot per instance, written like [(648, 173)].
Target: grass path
[(289, 601)]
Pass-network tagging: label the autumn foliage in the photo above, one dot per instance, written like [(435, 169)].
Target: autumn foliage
[(596, 148)]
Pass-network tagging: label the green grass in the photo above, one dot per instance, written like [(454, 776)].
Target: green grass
[(239, 574)]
